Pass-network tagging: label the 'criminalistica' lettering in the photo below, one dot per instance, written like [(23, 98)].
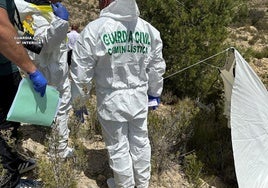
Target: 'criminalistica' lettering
[(127, 41)]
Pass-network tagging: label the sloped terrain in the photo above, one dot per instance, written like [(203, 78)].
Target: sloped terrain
[(242, 38), (97, 170)]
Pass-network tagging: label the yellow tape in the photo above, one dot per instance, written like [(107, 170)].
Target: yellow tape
[(43, 8)]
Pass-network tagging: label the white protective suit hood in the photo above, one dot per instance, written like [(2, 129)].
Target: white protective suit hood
[(124, 10)]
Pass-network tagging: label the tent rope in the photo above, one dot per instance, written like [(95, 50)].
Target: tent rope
[(213, 66), (202, 61)]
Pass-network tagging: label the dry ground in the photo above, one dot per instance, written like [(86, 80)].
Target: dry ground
[(98, 170)]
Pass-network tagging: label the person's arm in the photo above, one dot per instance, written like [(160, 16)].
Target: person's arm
[(53, 32), (10, 46), (82, 72), (156, 67), (12, 49)]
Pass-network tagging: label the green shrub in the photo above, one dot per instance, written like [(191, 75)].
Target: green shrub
[(57, 173), (193, 169), (256, 16), (169, 131), (211, 142)]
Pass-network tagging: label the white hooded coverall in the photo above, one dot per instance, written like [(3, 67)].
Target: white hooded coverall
[(52, 60), (72, 36), (123, 53)]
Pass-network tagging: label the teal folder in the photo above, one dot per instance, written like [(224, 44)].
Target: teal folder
[(29, 107)]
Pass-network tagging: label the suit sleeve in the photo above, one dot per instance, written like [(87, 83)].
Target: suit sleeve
[(156, 67), (82, 69), (52, 34)]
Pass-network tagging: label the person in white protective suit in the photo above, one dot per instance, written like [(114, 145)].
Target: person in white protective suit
[(72, 37), (123, 54), (49, 24)]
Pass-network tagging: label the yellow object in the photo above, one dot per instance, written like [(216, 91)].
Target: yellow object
[(45, 10), (28, 27), (39, 111)]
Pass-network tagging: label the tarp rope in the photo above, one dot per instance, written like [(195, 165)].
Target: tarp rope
[(199, 62)]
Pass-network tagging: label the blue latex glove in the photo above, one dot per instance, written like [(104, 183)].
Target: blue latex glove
[(80, 114), (39, 82), (157, 99), (60, 11)]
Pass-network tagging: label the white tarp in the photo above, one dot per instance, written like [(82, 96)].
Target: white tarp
[(249, 126)]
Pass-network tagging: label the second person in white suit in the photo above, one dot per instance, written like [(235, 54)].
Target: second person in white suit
[(49, 24), (123, 54)]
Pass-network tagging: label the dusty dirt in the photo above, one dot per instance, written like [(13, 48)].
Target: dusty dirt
[(97, 171)]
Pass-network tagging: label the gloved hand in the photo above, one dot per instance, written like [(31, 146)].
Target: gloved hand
[(60, 11), (80, 114), (154, 99), (39, 82)]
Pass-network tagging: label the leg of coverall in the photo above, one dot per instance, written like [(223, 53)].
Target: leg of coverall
[(57, 75), (63, 116), (140, 150), (115, 135)]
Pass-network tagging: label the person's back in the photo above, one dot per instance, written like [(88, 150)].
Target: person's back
[(124, 46), (123, 54)]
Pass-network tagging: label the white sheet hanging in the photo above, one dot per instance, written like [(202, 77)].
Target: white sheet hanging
[(249, 126)]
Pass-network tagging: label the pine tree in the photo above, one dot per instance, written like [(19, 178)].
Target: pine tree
[(191, 31)]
